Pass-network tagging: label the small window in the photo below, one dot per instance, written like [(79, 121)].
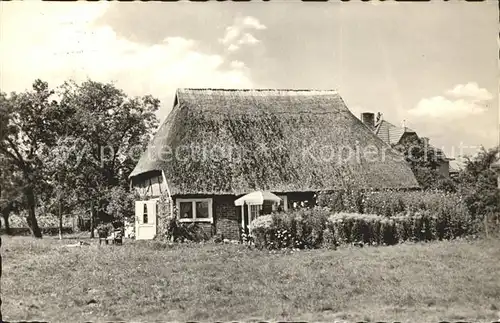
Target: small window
[(202, 210), (156, 205), (145, 214), (191, 210), (186, 210), (255, 211)]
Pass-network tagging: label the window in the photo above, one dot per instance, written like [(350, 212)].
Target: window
[(191, 210), (145, 214), (186, 210), (202, 210), (255, 211), (283, 206)]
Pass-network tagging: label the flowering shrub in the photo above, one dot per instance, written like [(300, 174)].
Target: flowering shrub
[(409, 216), (262, 222), (302, 228)]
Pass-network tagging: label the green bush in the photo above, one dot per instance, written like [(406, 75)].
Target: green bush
[(361, 229), (177, 231), (373, 229), (343, 200), (449, 210), (301, 228), (400, 217), (44, 220)]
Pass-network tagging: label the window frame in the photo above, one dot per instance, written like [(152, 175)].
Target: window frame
[(145, 215), (284, 199), (254, 211), (193, 201)]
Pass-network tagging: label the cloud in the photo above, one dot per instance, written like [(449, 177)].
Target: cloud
[(441, 107), (233, 48), (237, 64), (238, 34), (470, 90), (467, 100), (82, 50), (248, 39), (232, 33), (253, 23)]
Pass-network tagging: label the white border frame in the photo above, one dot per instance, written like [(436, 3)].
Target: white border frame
[(210, 218)]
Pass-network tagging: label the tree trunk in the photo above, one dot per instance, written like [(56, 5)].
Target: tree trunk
[(5, 215), (92, 210), (60, 220), (31, 218)]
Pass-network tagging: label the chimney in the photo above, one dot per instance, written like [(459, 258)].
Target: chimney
[(426, 141), (368, 118)]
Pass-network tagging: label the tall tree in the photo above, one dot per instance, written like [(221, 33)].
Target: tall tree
[(11, 191), (29, 122), (114, 130), (62, 171), (106, 130), (478, 182)]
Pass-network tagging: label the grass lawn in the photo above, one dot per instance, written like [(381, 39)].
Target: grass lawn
[(148, 281)]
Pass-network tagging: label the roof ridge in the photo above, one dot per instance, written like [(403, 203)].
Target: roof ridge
[(257, 89)]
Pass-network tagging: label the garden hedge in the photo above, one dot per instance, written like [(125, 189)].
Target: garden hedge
[(402, 216)]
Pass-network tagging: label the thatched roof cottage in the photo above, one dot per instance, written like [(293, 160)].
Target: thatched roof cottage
[(216, 145)]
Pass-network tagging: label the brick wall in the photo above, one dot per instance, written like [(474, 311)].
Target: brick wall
[(208, 228), (226, 217), (229, 229)]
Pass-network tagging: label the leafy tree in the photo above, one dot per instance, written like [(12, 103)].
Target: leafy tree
[(121, 203), (62, 172), (75, 153), (29, 122), (11, 193), (424, 160), (113, 129), (478, 183)]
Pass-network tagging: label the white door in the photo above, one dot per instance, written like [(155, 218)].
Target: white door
[(152, 212), (146, 218)]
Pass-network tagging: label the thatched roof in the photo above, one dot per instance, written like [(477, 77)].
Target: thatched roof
[(276, 140)]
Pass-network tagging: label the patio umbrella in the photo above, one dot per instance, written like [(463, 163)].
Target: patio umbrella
[(257, 198)]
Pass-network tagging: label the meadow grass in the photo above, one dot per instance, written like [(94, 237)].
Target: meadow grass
[(147, 281)]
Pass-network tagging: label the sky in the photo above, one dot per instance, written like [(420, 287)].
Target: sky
[(432, 65)]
